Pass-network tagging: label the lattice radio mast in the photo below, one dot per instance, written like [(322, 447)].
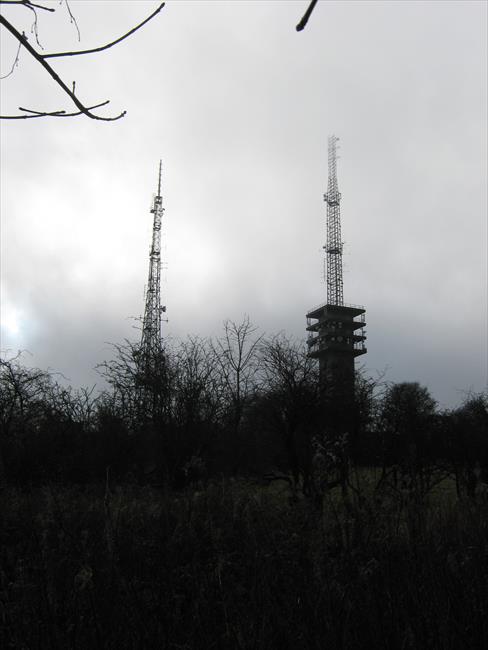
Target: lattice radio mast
[(333, 247), (151, 346)]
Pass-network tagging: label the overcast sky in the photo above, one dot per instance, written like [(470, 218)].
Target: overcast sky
[(239, 106)]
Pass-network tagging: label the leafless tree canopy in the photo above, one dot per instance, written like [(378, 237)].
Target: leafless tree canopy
[(42, 58)]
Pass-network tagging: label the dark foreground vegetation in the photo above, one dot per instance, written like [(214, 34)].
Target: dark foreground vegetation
[(238, 566), (217, 496)]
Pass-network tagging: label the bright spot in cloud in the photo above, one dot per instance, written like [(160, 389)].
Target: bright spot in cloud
[(10, 320)]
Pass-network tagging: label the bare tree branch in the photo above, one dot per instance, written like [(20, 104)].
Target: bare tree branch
[(34, 29), (22, 39), (60, 113), (105, 47), (26, 3), (72, 19), (14, 64), (306, 16)]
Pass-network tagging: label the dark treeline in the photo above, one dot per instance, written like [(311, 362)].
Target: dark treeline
[(216, 496), (238, 405)]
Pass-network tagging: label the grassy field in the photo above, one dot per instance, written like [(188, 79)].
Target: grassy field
[(237, 565)]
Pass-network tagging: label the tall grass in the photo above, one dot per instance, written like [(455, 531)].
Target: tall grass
[(234, 565)]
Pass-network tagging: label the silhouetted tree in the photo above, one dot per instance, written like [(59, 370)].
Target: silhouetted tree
[(236, 354), (197, 384), (365, 442), (141, 391), (22, 404), (290, 402), (407, 424), (466, 429), (197, 406)]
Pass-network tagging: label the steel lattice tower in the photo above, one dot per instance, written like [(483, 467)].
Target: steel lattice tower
[(333, 248), (151, 327), (336, 331)]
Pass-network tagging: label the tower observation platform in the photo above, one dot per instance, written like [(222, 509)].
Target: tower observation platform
[(336, 337), (336, 330)]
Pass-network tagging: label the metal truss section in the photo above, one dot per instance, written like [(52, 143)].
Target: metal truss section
[(333, 247)]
